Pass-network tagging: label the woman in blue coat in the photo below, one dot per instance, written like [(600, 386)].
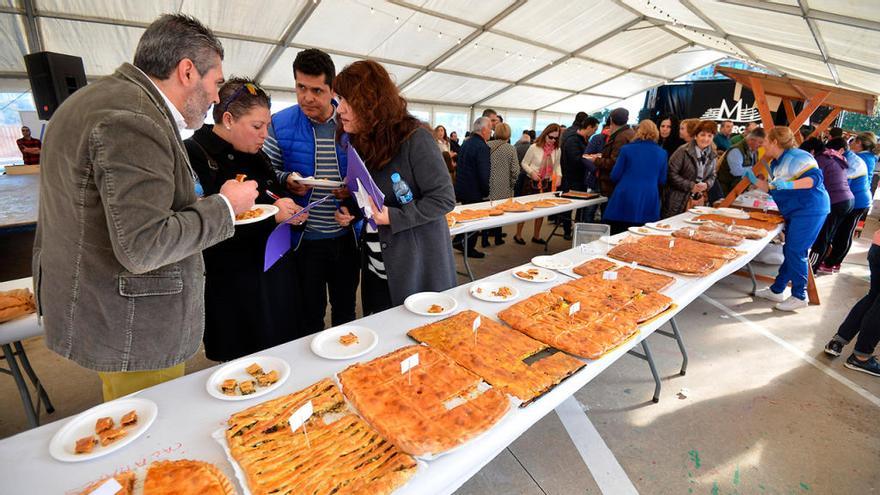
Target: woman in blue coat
[(639, 172), (795, 183)]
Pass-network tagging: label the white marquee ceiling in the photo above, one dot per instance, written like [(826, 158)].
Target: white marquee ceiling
[(550, 55)]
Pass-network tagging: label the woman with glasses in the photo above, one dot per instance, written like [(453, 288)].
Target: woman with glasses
[(246, 309), (543, 173)]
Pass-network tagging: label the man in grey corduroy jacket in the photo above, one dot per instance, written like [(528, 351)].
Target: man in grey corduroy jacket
[(118, 270)]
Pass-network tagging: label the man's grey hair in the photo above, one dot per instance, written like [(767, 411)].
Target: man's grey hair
[(480, 123), (172, 38)]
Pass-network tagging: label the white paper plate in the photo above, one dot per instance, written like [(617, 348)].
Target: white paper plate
[(326, 344), (483, 291), (236, 371), (641, 231), (268, 211), (703, 210), (320, 182), (732, 213), (657, 226), (419, 303), (542, 276), (552, 262), (695, 221), (63, 443)]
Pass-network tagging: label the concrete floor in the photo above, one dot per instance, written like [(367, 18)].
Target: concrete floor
[(761, 409)]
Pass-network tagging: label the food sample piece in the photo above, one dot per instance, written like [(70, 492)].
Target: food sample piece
[(434, 407), (450, 220), (580, 195), (85, 445), (16, 303), (469, 215), (254, 370), (756, 224), (773, 218), (228, 386), (514, 206), (109, 436), (247, 387), (435, 308), (664, 226), (596, 265), (645, 306), (240, 177), (247, 215), (528, 275), (126, 479), (129, 418), (644, 280), (495, 212), (709, 237), (503, 292), (689, 247), (345, 456), (104, 424), (558, 201), (740, 230), (348, 339), (496, 353), (186, 477), (681, 256), (543, 203), (268, 378)]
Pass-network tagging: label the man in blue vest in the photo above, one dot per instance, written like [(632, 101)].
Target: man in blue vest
[(302, 143)]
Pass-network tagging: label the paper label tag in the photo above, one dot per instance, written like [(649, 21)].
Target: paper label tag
[(583, 248), (409, 363), (634, 265), (671, 243), (301, 416), (477, 323), (574, 308), (109, 487), (609, 275)]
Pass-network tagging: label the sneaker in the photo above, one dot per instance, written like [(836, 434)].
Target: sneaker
[(766, 293), (871, 366), (823, 268), (834, 348), (835, 269), (792, 304)]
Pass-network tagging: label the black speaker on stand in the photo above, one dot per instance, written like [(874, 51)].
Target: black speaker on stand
[(53, 77)]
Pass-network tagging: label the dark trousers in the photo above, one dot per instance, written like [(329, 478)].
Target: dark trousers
[(328, 265), (843, 238), (829, 229), (375, 295), (800, 234), (864, 318), (458, 239), (495, 232)]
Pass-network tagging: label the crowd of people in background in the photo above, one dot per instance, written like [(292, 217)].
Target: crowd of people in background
[(170, 245)]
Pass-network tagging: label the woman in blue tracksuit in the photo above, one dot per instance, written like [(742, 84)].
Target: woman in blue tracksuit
[(859, 177), (795, 183)]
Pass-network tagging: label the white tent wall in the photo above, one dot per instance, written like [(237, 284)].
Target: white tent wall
[(525, 55)]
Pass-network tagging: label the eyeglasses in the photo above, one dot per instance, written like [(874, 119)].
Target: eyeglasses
[(251, 88)]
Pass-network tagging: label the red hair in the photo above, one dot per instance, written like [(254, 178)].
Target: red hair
[(381, 112)]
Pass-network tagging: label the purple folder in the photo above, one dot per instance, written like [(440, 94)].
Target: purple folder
[(361, 185), (278, 242)]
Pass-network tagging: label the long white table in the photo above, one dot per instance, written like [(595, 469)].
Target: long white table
[(510, 218), (188, 415)]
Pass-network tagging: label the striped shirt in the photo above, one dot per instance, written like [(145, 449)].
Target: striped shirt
[(375, 262)]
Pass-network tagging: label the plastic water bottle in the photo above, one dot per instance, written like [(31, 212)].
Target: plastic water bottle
[(401, 189)]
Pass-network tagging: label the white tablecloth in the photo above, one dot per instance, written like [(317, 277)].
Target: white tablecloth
[(516, 217), (188, 415)]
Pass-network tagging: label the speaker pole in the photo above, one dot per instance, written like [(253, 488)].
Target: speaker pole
[(35, 41)]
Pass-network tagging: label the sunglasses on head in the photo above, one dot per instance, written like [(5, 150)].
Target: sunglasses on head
[(251, 88)]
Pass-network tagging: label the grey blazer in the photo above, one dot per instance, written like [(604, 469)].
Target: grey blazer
[(416, 247), (118, 270)]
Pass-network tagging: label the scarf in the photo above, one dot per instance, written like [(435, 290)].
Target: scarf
[(547, 161)]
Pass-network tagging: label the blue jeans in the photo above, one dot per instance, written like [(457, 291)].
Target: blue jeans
[(800, 233)]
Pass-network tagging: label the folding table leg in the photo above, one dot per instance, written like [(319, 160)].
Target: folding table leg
[(650, 359), (467, 265), (752, 276), (552, 233), (647, 356), (26, 365), (684, 354), (22, 386)]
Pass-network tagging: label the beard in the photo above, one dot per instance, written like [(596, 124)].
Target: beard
[(195, 107)]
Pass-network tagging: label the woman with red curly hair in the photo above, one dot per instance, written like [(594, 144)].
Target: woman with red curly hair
[(411, 251)]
